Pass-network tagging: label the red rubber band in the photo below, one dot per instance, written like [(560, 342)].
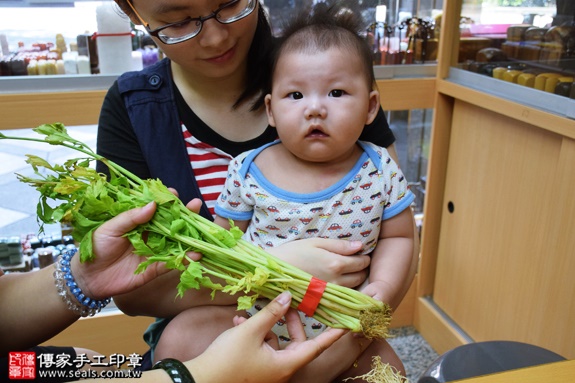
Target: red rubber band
[(312, 296), (95, 35)]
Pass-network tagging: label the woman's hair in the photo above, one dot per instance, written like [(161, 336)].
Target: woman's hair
[(259, 58), (324, 28), (259, 62)]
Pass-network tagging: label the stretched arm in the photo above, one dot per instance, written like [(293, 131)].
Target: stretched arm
[(258, 360), (394, 260), (27, 299), (335, 262), (332, 257), (158, 298)]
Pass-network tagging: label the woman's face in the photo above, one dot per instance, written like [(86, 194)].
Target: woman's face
[(219, 50)]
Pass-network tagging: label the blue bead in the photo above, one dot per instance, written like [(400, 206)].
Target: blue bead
[(73, 286)]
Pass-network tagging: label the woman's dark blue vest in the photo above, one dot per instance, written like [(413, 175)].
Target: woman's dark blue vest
[(149, 99)]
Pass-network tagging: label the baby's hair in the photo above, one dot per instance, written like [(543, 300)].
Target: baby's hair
[(325, 28)]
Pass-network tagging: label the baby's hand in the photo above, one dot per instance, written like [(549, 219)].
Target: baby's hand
[(331, 260), (376, 290)]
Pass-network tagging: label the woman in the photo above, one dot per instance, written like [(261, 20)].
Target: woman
[(183, 119)]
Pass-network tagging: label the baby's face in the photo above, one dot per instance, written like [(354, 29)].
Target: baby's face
[(320, 103)]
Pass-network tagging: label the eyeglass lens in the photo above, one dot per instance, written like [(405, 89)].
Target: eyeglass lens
[(228, 13)]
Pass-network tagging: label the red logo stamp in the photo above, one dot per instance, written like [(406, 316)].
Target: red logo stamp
[(22, 365)]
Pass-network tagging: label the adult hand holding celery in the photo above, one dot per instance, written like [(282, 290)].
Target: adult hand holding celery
[(87, 199)]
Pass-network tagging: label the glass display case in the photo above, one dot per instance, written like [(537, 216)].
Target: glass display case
[(41, 37), (530, 43), (29, 30)]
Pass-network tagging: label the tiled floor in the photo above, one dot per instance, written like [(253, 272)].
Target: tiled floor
[(18, 200), (413, 350)]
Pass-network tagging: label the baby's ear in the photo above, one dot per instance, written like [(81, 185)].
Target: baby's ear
[(373, 106), (268, 102)]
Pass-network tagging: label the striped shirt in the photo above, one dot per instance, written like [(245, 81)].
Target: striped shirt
[(210, 166)]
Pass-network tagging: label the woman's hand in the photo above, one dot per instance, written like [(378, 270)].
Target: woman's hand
[(248, 352), (333, 259), (112, 270)]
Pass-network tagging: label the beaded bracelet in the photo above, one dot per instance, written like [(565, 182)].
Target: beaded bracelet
[(66, 285), (176, 370)]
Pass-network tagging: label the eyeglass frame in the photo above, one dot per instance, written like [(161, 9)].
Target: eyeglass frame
[(201, 19)]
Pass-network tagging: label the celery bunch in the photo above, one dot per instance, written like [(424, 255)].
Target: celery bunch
[(87, 200)]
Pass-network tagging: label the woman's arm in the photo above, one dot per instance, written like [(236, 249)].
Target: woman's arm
[(158, 298), (258, 360), (335, 262), (44, 314), (32, 311)]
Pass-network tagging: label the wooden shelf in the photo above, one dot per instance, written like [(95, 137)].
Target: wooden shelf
[(29, 110)]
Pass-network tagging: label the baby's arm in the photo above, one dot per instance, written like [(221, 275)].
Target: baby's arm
[(225, 223), (392, 264)]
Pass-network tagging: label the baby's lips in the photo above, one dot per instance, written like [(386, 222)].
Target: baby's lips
[(316, 131)]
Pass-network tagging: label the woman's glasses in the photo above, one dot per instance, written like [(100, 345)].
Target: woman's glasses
[(180, 31)]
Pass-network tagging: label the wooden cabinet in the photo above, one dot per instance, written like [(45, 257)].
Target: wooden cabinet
[(29, 101), (498, 246)]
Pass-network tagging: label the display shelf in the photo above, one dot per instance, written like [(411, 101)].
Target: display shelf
[(496, 250), (388, 72), (532, 98), (68, 83), (55, 83), (76, 100), (28, 101), (567, 68)]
